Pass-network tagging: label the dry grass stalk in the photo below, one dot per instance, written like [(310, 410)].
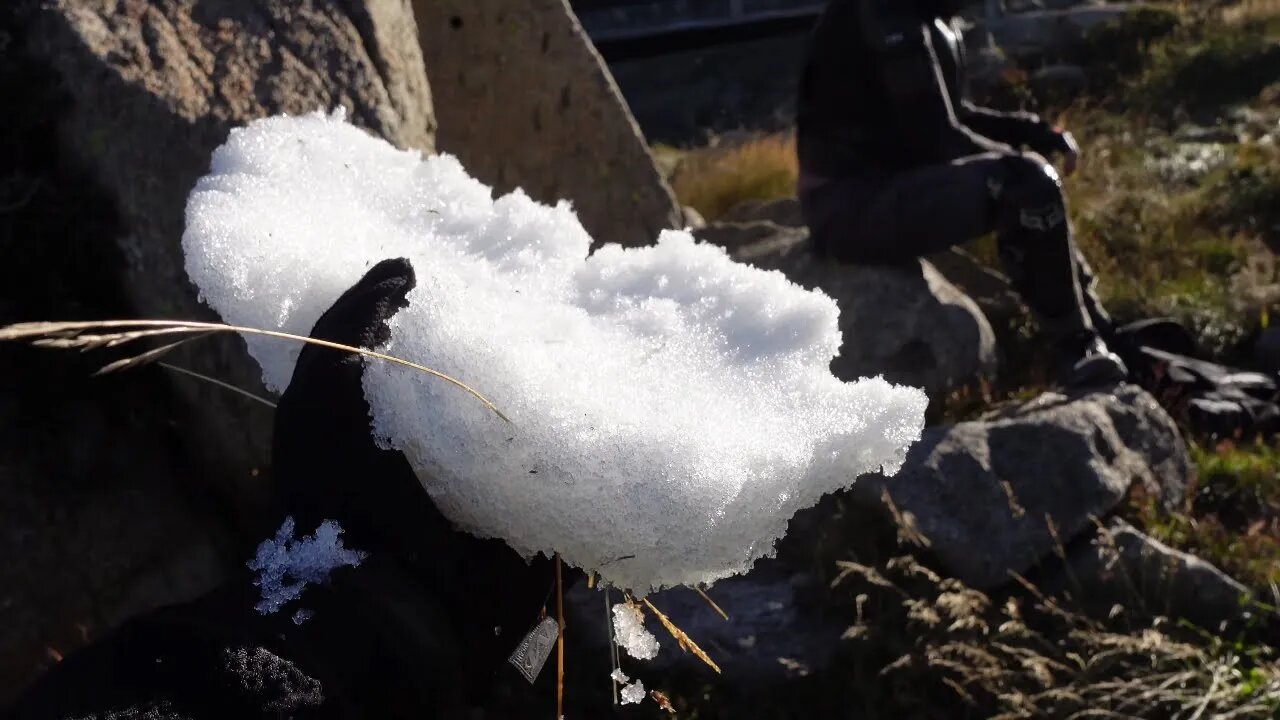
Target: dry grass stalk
[(1076, 669), (663, 701), (219, 383), (908, 532), (1011, 497), (870, 574), (79, 335), (559, 638), (686, 643), (719, 611)]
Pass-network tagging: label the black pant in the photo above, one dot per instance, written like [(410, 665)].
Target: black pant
[(881, 218)]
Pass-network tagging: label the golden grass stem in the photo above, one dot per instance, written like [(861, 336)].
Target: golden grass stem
[(719, 611), (219, 383), (559, 639), (686, 643), (70, 334)]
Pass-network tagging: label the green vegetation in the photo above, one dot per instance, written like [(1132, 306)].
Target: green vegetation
[(1232, 518)]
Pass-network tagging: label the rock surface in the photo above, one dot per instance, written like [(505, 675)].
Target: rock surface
[(524, 100), (783, 211), (1119, 565), (989, 288), (95, 520), (904, 322), (155, 86), (121, 494), (770, 635), (999, 495)]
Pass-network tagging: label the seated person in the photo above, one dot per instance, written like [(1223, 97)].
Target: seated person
[(896, 164)]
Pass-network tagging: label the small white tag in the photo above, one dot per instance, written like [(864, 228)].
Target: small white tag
[(532, 652)]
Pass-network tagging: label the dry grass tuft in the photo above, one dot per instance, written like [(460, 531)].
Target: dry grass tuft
[(712, 180), (1026, 655)]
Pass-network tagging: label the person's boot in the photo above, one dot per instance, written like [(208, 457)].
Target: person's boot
[(1086, 361)]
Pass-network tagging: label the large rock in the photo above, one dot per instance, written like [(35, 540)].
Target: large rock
[(904, 322), (783, 211), (772, 633), (998, 495), (1044, 32), (156, 85), (524, 100), (989, 288), (1118, 565), (116, 107)]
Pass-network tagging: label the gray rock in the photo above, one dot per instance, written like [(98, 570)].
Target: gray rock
[(783, 211), (989, 288), (771, 633), (1059, 78), (752, 239), (1044, 31), (524, 100), (998, 495), (693, 219), (1206, 135), (904, 322), (156, 86), (1118, 565)]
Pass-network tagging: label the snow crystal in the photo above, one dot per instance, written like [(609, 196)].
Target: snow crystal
[(633, 693), (628, 628), (286, 566), (619, 676), (670, 409)]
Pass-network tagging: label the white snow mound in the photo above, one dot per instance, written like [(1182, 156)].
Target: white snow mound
[(670, 409)]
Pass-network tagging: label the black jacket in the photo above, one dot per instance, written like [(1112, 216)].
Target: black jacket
[(883, 88)]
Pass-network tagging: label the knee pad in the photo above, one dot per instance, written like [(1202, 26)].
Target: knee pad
[(1028, 195)]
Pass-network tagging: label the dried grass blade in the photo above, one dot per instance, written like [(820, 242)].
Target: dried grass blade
[(148, 357), (559, 638), (219, 383), (686, 643), (69, 335), (719, 610)]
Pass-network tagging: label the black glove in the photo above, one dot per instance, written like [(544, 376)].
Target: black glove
[(329, 467)]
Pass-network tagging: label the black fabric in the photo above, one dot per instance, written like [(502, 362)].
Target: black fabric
[(421, 629), (330, 467), (875, 219), (883, 88)]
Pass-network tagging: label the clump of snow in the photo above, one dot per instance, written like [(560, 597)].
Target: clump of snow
[(633, 693), (285, 565), (671, 409), (619, 676), (628, 628)]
